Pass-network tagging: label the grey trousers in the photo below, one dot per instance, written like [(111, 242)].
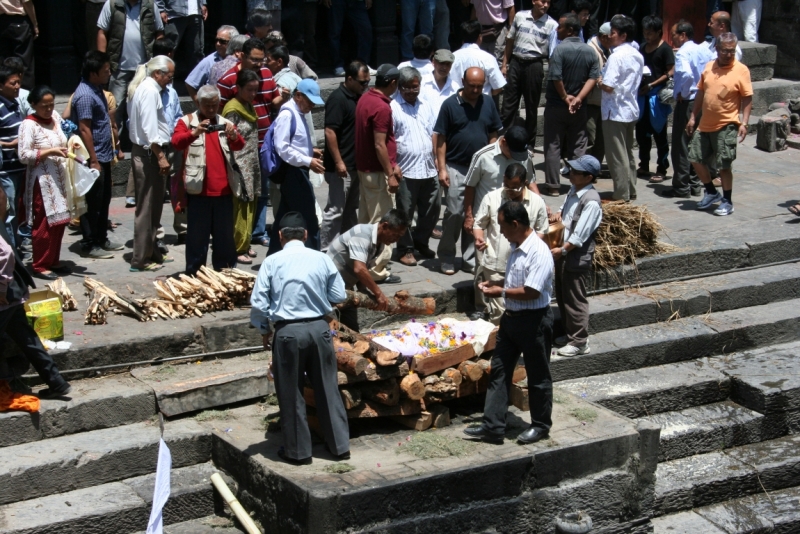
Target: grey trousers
[(619, 153), (118, 85), (453, 221), (493, 307), (573, 304), (341, 211), (300, 350), (418, 195), (684, 179), (150, 189), (564, 133), (594, 133)]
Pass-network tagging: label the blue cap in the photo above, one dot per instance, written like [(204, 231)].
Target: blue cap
[(310, 88), (586, 164)]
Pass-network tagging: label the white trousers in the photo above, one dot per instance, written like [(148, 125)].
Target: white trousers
[(745, 19)]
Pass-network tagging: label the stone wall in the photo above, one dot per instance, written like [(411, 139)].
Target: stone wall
[(780, 25)]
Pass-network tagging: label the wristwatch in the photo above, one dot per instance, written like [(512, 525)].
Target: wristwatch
[(503, 294), (564, 251)]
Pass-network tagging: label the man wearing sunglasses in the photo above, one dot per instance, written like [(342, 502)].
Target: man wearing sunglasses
[(199, 75)]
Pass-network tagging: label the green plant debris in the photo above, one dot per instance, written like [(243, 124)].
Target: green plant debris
[(166, 369), (260, 356), (213, 415), (560, 399), (271, 399), (339, 468), (584, 414), (272, 422), (426, 445)]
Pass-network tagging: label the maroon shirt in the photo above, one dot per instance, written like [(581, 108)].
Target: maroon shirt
[(373, 114)]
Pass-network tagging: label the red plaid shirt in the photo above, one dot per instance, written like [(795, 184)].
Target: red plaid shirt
[(263, 102)]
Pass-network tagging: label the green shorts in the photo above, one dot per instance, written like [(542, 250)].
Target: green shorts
[(715, 147)]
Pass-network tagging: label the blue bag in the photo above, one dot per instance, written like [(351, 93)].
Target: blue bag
[(271, 162)]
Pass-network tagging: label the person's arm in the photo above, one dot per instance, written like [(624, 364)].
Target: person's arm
[(85, 131), (235, 140), (441, 150), (365, 279), (495, 290), (30, 10), (102, 40), (512, 12), (260, 302), (182, 137), (383, 157), (576, 102), (469, 200), (747, 107), (482, 219), (283, 141), (333, 146), (493, 137), (335, 289), (508, 51), (696, 111)]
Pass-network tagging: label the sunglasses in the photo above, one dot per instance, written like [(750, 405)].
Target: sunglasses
[(363, 83), (223, 41)]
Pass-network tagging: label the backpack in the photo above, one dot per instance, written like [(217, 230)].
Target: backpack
[(271, 163)]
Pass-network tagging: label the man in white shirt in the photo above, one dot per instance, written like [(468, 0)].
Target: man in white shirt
[(150, 133), (422, 48), (439, 84), (471, 55), (622, 77), (746, 19), (294, 145), (720, 23), (413, 121), (527, 46)]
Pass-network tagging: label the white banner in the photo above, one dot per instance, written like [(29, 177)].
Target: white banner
[(161, 490)]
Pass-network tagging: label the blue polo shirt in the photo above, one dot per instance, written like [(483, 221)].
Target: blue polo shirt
[(10, 119), (89, 103)]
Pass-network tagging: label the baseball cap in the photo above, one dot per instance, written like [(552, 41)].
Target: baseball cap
[(517, 140), (605, 29), (310, 88), (586, 164), (387, 71), (444, 55), (293, 219)]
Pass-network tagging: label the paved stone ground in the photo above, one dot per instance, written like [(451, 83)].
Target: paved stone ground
[(764, 185)]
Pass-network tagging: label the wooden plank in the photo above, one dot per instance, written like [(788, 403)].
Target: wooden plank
[(491, 343), (373, 373), (519, 397), (370, 409), (441, 415), (442, 360), (420, 422)]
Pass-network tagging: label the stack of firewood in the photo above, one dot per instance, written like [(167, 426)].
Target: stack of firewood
[(102, 299), (68, 302)]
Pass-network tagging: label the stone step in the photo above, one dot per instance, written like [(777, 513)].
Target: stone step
[(78, 461), (94, 404), (683, 339), (653, 390), (718, 476), (194, 386), (777, 512), (205, 525), (116, 507), (707, 428)]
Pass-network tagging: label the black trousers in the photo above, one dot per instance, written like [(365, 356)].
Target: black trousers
[(15, 324), (94, 223), (564, 133), (16, 39), (644, 135), (297, 194), (684, 179), (418, 195), (300, 350), (209, 217), (187, 32), (525, 79), (531, 334)]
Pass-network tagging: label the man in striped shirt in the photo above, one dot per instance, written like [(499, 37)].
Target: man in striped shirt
[(13, 172), (269, 98), (526, 327)]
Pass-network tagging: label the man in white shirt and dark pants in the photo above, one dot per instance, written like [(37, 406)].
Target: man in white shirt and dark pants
[(471, 55), (620, 109), (526, 327)]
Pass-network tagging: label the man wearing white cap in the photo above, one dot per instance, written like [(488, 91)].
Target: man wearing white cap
[(294, 144)]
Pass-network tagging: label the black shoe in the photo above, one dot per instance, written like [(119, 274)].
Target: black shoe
[(337, 457), (633, 197), (45, 276), (481, 433), (424, 251), (61, 269), (304, 461), (670, 193), (532, 435), (391, 279), (474, 316), (54, 393)]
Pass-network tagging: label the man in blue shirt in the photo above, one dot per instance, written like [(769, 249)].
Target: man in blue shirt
[(199, 75), (13, 172), (292, 295)]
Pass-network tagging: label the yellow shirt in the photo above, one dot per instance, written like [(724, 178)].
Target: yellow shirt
[(724, 88)]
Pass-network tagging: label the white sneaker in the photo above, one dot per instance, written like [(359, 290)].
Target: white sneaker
[(338, 71), (561, 341), (448, 268), (708, 200), (372, 72), (130, 202), (572, 350), (725, 208)]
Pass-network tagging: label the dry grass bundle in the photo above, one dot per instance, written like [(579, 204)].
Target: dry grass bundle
[(627, 232)]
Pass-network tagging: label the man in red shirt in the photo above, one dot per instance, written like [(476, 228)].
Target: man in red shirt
[(376, 160), (208, 177), (269, 97)]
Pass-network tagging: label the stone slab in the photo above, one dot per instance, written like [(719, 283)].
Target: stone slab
[(90, 458), (684, 523), (204, 525), (650, 390), (777, 513), (706, 428), (194, 386), (776, 461)]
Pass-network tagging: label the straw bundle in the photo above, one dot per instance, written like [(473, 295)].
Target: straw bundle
[(627, 232)]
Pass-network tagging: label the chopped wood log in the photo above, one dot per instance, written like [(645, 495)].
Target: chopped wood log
[(401, 302), (441, 415), (453, 375), (350, 397), (386, 392), (420, 422), (68, 302), (430, 380), (442, 360), (370, 409), (373, 373), (350, 362), (413, 387), (442, 388), (519, 397), (519, 371), (470, 370), (362, 347), (338, 343), (387, 357), (486, 365)]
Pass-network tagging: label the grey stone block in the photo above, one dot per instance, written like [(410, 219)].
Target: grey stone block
[(232, 334), (684, 523), (772, 132), (776, 461), (778, 513)]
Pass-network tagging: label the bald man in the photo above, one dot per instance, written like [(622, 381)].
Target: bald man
[(720, 23)]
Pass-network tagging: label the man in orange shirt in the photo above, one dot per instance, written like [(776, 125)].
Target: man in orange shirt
[(726, 84)]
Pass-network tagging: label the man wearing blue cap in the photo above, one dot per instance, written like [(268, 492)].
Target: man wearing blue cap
[(581, 215), (295, 146)]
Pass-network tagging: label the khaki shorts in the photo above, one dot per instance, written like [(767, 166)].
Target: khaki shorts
[(717, 147)]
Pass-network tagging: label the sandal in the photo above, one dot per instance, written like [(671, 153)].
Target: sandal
[(657, 178), (795, 209), (149, 267), (165, 259), (252, 253), (245, 259)]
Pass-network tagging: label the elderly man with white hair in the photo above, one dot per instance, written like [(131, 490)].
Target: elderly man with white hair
[(199, 75), (149, 133), (207, 140)]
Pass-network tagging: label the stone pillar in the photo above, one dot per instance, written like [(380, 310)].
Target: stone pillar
[(56, 63), (384, 29)]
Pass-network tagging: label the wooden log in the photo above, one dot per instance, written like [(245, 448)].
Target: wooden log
[(519, 371), (470, 370), (420, 422), (386, 392), (401, 302), (370, 409), (442, 360), (351, 397), (361, 346), (453, 375), (373, 373), (441, 415), (350, 362), (338, 343), (412, 387), (486, 365), (387, 357), (519, 397)]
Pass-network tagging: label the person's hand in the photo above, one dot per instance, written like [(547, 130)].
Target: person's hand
[(56, 152), (444, 178), (690, 126), (575, 105), (201, 129), (266, 339), (469, 220), (120, 155), (341, 169), (164, 17), (393, 183), (504, 69), (36, 32), (285, 94), (480, 244), (556, 252), (96, 166), (204, 12), (317, 166), (317, 153), (230, 131), (163, 164), (397, 173), (489, 289), (554, 217), (742, 132), (383, 302)]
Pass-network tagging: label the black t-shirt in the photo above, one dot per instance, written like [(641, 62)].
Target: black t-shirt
[(573, 63), (659, 61), (340, 116), (466, 128)]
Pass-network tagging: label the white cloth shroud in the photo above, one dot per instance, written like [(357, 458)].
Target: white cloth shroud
[(407, 340), (161, 490)]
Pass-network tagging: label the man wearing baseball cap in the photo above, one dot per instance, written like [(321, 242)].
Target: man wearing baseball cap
[(438, 85), (581, 215), (295, 146)]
